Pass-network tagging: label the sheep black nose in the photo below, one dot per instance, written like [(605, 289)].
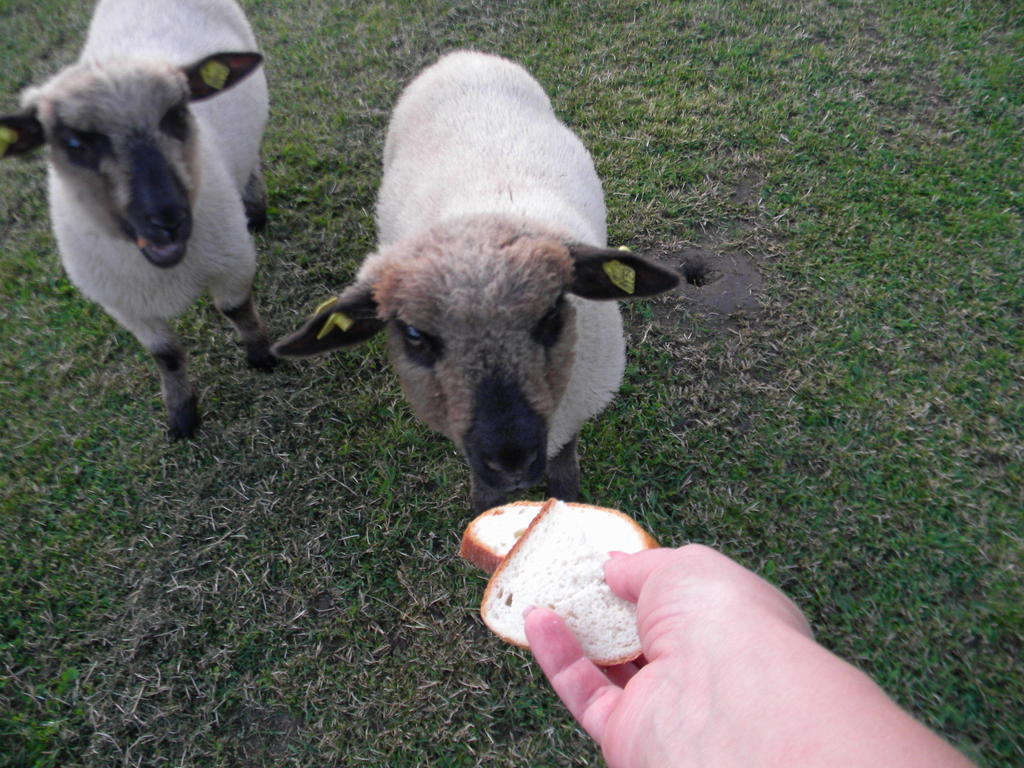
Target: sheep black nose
[(169, 221), (512, 462), (510, 468), (506, 444)]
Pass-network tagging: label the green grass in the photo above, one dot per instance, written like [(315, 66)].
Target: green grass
[(285, 590)]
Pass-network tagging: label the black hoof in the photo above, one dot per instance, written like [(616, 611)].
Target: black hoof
[(184, 421), (262, 359), (563, 492)]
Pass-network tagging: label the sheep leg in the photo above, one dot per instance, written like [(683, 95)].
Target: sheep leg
[(252, 331), (255, 200), (483, 496), (232, 295), (179, 396), (564, 473)]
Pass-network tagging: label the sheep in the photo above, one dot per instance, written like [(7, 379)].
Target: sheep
[(492, 278), (151, 187)]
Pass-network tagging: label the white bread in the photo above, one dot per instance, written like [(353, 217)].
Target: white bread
[(558, 563), (491, 535)]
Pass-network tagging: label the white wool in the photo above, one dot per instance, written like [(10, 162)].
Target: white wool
[(596, 373), (559, 565)]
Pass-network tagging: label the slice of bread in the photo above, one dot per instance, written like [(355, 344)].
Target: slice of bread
[(558, 563)]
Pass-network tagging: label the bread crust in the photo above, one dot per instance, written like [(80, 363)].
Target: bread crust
[(647, 540)]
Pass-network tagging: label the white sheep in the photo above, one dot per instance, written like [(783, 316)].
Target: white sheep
[(492, 277), (151, 187)]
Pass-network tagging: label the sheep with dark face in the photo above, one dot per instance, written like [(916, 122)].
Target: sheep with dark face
[(492, 278), (152, 187)]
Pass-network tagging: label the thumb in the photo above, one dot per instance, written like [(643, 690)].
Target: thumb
[(588, 693), (626, 575)]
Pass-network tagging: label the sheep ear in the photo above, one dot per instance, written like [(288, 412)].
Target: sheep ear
[(338, 322), (20, 133), (216, 73), (606, 273)]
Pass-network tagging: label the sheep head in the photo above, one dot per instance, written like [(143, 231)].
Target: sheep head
[(480, 318), (122, 137)]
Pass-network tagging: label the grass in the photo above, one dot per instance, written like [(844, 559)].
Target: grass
[(285, 590)]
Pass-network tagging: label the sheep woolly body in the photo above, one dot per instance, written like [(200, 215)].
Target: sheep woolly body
[(128, 75), (531, 170)]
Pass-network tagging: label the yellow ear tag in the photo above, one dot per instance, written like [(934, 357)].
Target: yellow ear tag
[(622, 277), (7, 137), (214, 74), (324, 305), (338, 320)]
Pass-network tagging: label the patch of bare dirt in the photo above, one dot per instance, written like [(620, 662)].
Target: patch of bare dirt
[(721, 281), (721, 269), (748, 190)]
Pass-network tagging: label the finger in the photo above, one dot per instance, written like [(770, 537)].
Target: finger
[(581, 686), (626, 575)]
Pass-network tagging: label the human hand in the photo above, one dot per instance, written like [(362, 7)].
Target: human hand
[(683, 596), (732, 677)]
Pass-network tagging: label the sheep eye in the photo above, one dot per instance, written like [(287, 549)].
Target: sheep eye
[(75, 145), (421, 348), (175, 122), (84, 148), (549, 327)]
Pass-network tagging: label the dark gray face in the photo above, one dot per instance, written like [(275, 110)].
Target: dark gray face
[(491, 391), (123, 138), (158, 216), (482, 337), (123, 141), (481, 315)]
